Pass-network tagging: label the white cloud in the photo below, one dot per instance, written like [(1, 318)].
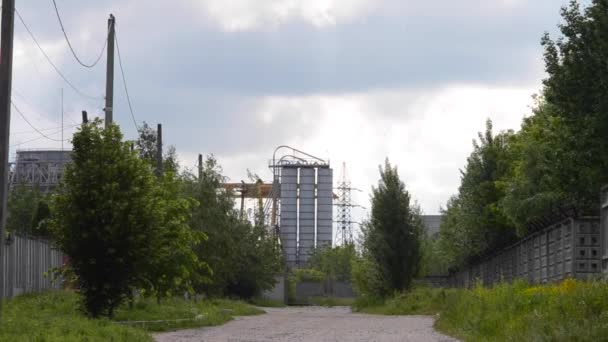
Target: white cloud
[(427, 134), (241, 15)]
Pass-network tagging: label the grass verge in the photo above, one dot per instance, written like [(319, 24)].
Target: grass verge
[(267, 303), (567, 311), (331, 301), (55, 316)]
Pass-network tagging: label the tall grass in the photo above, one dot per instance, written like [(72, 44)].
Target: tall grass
[(55, 316), (567, 311)]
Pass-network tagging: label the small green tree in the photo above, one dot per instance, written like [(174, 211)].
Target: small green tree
[(335, 262), (24, 203), (174, 267), (244, 258), (392, 234), (105, 218)]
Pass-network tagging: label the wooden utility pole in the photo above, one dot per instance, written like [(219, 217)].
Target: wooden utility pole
[(159, 150), (200, 167), (6, 80), (109, 109)]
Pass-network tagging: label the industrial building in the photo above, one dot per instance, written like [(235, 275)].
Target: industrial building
[(302, 200), (41, 167), (432, 224)]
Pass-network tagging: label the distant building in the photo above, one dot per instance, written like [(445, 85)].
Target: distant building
[(41, 167), (432, 223)]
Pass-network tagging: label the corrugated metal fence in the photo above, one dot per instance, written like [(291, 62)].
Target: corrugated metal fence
[(26, 264)]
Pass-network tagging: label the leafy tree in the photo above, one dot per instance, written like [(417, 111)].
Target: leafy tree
[(111, 219), (244, 258), (562, 149), (474, 222), (392, 234), (174, 267), (335, 262), (258, 262), (534, 183), (147, 147), (146, 143), (27, 207), (40, 221)]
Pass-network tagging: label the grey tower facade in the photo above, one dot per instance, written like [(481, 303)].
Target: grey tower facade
[(305, 203)]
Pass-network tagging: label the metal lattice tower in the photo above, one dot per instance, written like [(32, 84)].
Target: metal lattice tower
[(344, 224)]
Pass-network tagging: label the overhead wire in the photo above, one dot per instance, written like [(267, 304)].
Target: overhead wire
[(124, 82), (34, 139), (70, 44), (45, 129), (32, 126), (51, 62)]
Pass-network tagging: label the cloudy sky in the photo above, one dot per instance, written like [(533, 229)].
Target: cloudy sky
[(353, 81)]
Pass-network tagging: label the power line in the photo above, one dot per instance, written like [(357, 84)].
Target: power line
[(124, 82), (33, 127), (70, 44), (35, 139), (45, 129), (51, 62)]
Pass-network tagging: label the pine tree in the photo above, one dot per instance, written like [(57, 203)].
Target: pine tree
[(392, 235)]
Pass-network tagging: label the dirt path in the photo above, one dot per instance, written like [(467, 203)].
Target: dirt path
[(313, 324)]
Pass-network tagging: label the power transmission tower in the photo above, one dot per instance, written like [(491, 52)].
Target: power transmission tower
[(344, 223), (6, 80), (109, 109)]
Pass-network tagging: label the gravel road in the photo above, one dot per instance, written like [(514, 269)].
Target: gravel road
[(313, 324)]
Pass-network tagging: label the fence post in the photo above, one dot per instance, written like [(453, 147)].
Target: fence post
[(604, 229)]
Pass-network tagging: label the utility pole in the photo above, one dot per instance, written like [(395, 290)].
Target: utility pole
[(85, 118), (159, 151), (6, 80), (200, 167), (109, 109)]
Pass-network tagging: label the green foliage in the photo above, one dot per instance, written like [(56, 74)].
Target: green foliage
[(120, 228), (534, 183), (562, 151), (334, 262), (146, 145), (55, 317), (391, 237), (331, 301), (177, 313), (576, 90), (174, 267), (419, 301), (558, 158), (244, 258), (367, 279), (473, 222), (267, 302), (434, 260), (568, 311), (299, 275), (28, 211)]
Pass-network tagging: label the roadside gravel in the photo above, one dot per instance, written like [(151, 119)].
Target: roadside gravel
[(313, 324)]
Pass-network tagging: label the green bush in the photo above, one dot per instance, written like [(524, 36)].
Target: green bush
[(567, 311), (300, 275), (56, 316)]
